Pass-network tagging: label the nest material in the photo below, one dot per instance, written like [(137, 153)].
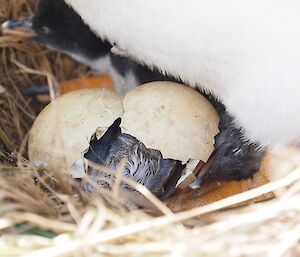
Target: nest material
[(24, 65), (44, 214)]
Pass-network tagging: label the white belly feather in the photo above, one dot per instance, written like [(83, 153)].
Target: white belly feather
[(245, 52)]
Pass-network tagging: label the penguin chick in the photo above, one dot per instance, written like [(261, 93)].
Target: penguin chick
[(234, 157), (58, 27), (148, 167), (144, 165)]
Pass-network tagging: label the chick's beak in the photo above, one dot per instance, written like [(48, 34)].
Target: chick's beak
[(22, 28)]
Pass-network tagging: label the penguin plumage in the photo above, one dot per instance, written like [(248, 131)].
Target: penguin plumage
[(247, 53)]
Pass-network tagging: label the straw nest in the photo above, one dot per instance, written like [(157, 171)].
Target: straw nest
[(44, 214)]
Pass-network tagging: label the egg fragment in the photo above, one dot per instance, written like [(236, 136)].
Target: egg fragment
[(172, 118), (62, 131)]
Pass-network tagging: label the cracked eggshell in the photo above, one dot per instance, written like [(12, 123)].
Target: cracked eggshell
[(172, 118), (62, 131)]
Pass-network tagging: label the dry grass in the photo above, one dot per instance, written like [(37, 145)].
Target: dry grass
[(53, 217), (17, 112), (64, 221)]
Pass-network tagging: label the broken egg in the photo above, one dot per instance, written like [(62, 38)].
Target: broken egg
[(172, 118), (162, 125), (63, 129)]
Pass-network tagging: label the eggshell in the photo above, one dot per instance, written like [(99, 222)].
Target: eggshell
[(62, 131), (172, 118)]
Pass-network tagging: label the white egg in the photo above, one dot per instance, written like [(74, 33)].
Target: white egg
[(62, 131), (172, 118)]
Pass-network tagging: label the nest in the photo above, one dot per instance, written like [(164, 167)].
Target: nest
[(44, 214)]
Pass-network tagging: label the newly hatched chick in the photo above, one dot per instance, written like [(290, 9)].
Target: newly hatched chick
[(59, 27), (234, 157), (144, 165), (148, 167)]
